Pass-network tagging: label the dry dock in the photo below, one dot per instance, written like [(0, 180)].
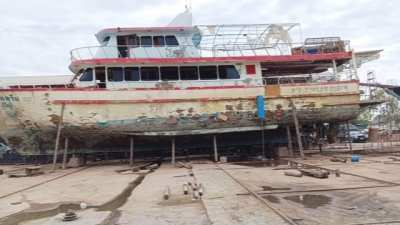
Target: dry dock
[(364, 192)]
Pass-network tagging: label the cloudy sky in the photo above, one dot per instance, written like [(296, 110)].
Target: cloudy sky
[(37, 35)]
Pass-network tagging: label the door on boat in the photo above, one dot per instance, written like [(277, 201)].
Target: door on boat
[(122, 43), (100, 77)]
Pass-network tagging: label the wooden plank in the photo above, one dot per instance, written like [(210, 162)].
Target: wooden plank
[(59, 127), (65, 155), (132, 143), (297, 128)]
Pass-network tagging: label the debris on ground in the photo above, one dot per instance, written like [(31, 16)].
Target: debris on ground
[(338, 159), (26, 172), (70, 215), (184, 165), (318, 173), (293, 173)]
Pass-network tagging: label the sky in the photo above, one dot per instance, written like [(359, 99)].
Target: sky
[(37, 35)]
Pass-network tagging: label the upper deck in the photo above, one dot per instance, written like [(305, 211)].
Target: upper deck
[(272, 45)]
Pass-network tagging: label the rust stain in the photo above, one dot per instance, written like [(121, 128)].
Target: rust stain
[(15, 140), (55, 119), (272, 90), (180, 111), (165, 86), (239, 106), (229, 107), (172, 120)]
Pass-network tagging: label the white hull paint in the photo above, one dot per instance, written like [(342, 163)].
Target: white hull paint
[(33, 114)]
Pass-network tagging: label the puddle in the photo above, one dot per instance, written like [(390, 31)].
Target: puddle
[(272, 198), (269, 188), (122, 198), (310, 201), (267, 163)]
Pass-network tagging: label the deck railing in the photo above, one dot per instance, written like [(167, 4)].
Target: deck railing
[(221, 50)]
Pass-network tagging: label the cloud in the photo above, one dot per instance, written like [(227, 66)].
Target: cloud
[(37, 35)]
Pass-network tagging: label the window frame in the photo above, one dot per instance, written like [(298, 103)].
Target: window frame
[(159, 45), (177, 73), (84, 71), (158, 70), (216, 72), (122, 74), (146, 46), (197, 73), (171, 45), (228, 65), (138, 70)]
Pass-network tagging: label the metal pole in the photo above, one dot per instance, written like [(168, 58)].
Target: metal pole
[(173, 151), (131, 151), (59, 126), (334, 67), (296, 126), (65, 155), (290, 143), (350, 139), (215, 148), (263, 139)]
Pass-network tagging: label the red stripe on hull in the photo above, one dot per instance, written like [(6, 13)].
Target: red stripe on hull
[(128, 89), (102, 102), (265, 58)]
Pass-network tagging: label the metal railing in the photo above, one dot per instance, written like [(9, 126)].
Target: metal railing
[(188, 51)]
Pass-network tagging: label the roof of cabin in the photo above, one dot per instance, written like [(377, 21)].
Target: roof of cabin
[(108, 31)]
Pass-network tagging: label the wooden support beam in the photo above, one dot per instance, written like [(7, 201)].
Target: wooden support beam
[(132, 143), (349, 137), (173, 151), (297, 128), (262, 139), (65, 154), (290, 142), (59, 127), (215, 148)]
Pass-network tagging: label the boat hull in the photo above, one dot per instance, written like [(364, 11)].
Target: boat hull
[(29, 117)]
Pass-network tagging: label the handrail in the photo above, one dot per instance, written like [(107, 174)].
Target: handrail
[(220, 50)]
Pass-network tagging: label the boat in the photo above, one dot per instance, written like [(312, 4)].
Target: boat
[(185, 80)]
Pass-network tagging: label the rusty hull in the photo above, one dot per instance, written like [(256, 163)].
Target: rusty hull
[(29, 117)]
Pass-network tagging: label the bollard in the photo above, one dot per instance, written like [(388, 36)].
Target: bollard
[(185, 189), (166, 193), (195, 195), (201, 190)]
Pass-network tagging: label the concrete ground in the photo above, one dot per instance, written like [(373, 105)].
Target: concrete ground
[(366, 192)]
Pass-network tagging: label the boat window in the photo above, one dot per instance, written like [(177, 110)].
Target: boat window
[(228, 72), (106, 40), (115, 74), (171, 40), (146, 41), (208, 72), (132, 74), (87, 75), (133, 40), (169, 73), (158, 41), (149, 73), (189, 73)]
